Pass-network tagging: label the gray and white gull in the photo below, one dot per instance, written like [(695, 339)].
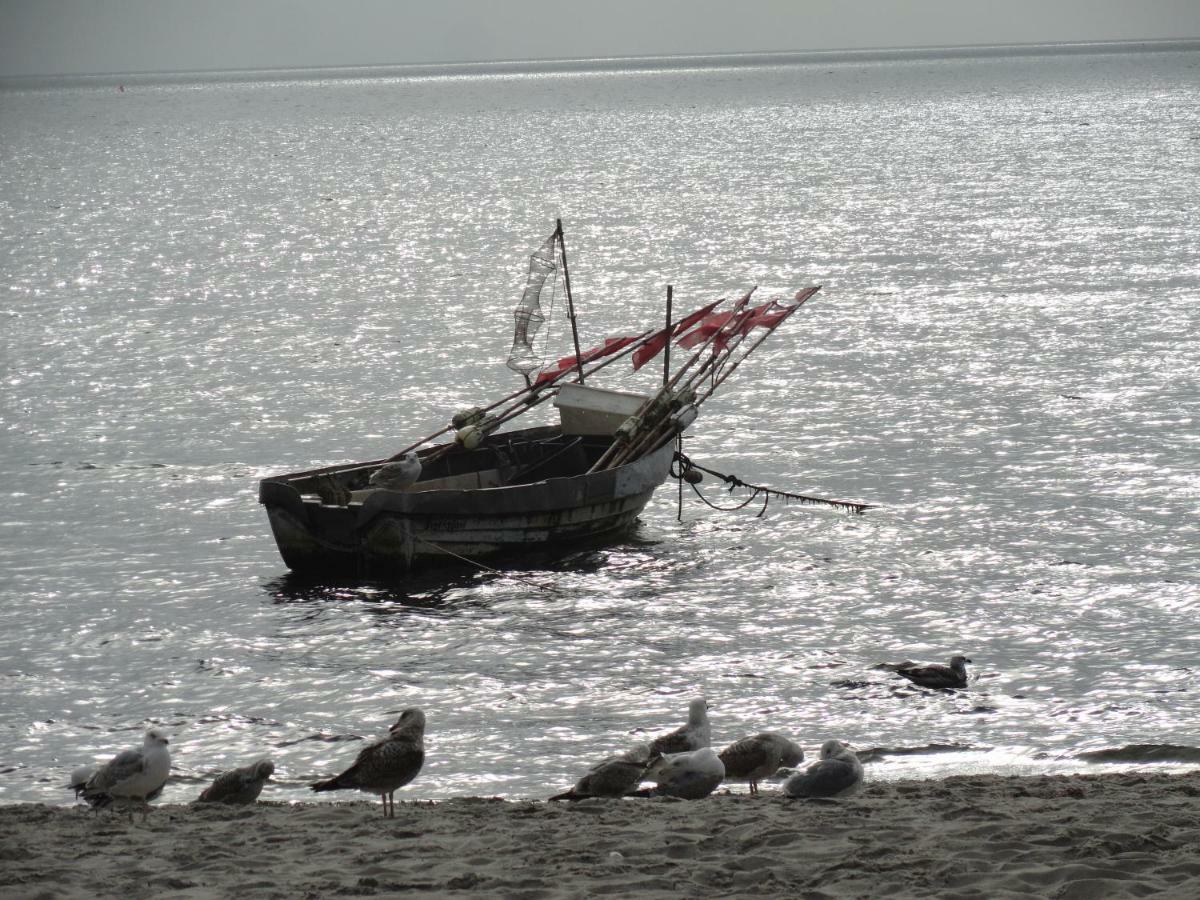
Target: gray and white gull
[(838, 773), (398, 475), (688, 776), (132, 776)]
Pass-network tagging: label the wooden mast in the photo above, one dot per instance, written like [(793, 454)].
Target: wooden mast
[(562, 246), (667, 346)]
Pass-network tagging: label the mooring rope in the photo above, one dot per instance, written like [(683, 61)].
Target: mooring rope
[(486, 568), (733, 482)]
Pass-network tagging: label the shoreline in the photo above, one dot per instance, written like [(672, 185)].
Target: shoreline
[(1127, 834)]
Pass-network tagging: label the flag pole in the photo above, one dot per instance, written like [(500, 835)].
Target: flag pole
[(562, 246), (667, 346)]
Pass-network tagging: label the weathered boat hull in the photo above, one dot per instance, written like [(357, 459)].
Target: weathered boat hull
[(390, 533)]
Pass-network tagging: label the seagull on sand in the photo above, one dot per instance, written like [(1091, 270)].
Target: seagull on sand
[(754, 758), (386, 765), (132, 775), (79, 778), (239, 786), (689, 776), (695, 734), (935, 675), (396, 476), (615, 776), (838, 773)]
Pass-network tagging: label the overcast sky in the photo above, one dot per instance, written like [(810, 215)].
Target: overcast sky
[(39, 37)]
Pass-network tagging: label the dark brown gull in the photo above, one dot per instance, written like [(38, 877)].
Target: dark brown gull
[(838, 773), (136, 775), (936, 675), (239, 786), (754, 758), (383, 767), (615, 776)]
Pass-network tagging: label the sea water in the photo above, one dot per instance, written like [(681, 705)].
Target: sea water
[(212, 278)]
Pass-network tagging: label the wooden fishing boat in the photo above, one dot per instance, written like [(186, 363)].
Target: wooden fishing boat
[(490, 494), (516, 492)]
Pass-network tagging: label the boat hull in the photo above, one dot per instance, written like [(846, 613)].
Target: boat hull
[(391, 533)]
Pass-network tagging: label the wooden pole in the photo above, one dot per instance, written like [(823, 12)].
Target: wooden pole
[(667, 348), (562, 246), (619, 453)]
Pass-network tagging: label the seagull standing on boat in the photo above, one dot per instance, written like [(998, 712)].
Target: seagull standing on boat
[(135, 775), (936, 675), (386, 765), (688, 776), (398, 475), (754, 758), (239, 786), (615, 776), (838, 773)]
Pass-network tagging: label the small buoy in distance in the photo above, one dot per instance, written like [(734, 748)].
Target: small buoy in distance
[(693, 476)]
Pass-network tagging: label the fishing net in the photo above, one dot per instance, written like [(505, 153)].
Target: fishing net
[(543, 272)]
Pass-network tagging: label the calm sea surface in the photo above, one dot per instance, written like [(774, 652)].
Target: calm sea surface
[(210, 279)]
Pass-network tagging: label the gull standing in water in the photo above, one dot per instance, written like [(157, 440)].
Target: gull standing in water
[(754, 758), (398, 475), (241, 785), (936, 675), (386, 765), (838, 773), (613, 777), (132, 775), (688, 776)]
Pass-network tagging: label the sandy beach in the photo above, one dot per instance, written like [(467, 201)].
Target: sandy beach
[(1082, 836)]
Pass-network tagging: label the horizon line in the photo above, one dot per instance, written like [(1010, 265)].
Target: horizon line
[(749, 57)]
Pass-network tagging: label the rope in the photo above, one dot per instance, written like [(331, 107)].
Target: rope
[(476, 563), (732, 481)]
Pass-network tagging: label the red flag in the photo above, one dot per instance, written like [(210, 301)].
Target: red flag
[(650, 349), (706, 329), (567, 363), (689, 320), (655, 345)]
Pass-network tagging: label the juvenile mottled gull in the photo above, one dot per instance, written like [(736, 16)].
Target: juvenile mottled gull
[(131, 775), (615, 776), (754, 758), (689, 776), (386, 765), (838, 773), (398, 475), (241, 785), (695, 734), (936, 675)]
